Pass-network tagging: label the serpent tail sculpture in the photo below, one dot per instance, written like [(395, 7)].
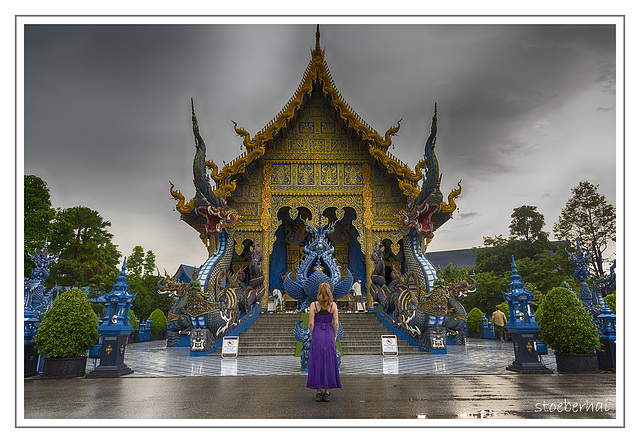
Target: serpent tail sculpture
[(214, 299), (419, 302)]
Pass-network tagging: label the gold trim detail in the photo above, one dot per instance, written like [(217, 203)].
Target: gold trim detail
[(451, 206), (181, 206), (317, 72)]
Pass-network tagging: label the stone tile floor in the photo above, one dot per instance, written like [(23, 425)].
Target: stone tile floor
[(154, 359)]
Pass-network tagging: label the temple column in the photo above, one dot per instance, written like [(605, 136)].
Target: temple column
[(265, 224), (367, 195)]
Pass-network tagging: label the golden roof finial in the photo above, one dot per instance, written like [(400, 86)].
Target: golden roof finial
[(317, 52)]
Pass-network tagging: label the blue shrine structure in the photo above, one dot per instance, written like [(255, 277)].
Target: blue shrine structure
[(115, 329), (522, 326)]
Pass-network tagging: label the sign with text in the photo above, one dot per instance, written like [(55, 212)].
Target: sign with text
[(230, 346), (389, 345)]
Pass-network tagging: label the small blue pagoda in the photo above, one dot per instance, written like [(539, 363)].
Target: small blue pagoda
[(115, 329), (522, 326)]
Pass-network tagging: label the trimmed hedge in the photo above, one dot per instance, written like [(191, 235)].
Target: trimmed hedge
[(158, 322), (474, 320), (611, 302), (69, 328), (565, 326)]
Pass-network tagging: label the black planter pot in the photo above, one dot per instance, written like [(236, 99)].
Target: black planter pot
[(64, 367), (577, 362)]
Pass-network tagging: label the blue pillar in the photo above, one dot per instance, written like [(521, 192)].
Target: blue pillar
[(115, 330), (522, 326), (607, 355)]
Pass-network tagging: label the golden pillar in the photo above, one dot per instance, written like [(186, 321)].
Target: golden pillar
[(265, 224), (368, 230)]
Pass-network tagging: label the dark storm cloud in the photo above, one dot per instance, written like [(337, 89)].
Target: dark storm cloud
[(108, 119)]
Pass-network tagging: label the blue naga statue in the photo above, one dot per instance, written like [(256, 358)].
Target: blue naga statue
[(215, 298), (592, 298), (419, 302), (316, 267), (302, 334), (35, 299)]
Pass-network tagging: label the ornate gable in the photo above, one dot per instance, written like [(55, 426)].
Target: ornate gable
[(317, 98)]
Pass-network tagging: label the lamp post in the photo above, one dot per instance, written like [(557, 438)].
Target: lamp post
[(607, 355), (522, 326), (115, 329)]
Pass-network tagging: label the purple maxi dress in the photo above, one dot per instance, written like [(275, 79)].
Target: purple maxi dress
[(323, 361)]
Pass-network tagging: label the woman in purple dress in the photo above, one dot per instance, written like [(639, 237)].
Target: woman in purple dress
[(323, 362)]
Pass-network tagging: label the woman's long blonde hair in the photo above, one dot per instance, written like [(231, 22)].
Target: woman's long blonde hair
[(325, 298)]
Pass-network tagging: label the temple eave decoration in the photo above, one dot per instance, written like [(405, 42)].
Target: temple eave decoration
[(318, 75)]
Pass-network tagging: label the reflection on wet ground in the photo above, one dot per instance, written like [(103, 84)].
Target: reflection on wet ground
[(154, 359)]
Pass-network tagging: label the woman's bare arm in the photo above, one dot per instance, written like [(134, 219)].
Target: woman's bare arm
[(312, 314), (335, 321)]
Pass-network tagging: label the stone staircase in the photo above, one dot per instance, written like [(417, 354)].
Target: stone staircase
[(272, 334), (362, 333)]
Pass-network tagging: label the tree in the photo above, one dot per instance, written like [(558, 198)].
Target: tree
[(38, 216), (135, 263), (527, 223), (590, 219), (88, 255), (143, 281)]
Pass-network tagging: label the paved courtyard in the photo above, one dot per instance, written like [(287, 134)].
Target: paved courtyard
[(171, 388), (154, 359)]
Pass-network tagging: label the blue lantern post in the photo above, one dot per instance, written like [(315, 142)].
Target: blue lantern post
[(115, 329), (522, 326), (607, 355)]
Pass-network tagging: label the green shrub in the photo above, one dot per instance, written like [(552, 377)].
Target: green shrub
[(565, 326), (158, 322), (474, 320), (611, 302), (69, 328), (132, 319)]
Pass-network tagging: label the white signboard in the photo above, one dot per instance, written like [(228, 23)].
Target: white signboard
[(230, 346), (389, 365), (389, 345)]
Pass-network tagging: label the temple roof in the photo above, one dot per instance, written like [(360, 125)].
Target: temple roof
[(317, 73)]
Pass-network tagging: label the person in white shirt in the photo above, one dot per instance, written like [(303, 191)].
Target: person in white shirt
[(357, 294), (277, 300)]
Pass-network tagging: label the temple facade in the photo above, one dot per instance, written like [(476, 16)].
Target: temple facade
[(317, 162)]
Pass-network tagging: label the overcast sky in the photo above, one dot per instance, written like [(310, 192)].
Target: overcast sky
[(525, 112)]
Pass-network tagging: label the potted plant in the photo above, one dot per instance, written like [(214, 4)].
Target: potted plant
[(569, 330), (158, 325), (68, 330), (474, 323)]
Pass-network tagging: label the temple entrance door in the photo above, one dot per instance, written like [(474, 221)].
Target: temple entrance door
[(291, 237)]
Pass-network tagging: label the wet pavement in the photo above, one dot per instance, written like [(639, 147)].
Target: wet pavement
[(171, 388)]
